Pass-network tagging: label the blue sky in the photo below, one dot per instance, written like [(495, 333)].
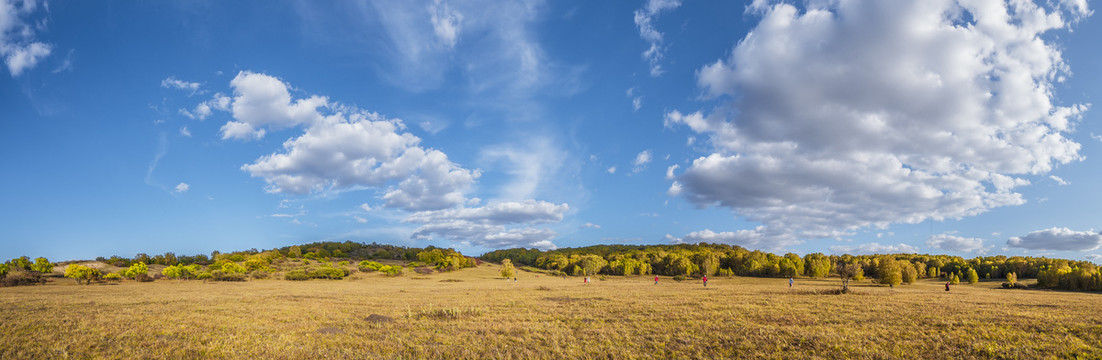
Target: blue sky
[(964, 128)]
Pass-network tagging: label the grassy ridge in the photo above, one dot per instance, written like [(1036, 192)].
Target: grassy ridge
[(472, 314)]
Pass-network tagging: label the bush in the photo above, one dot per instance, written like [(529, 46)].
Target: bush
[(679, 278), (206, 275), (24, 278), (112, 277), (1014, 285), (3, 270), (259, 274), (329, 272), (369, 266), (297, 275), (220, 275)]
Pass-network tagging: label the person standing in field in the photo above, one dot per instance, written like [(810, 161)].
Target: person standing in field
[(705, 280), (656, 279), (946, 286), (789, 282)]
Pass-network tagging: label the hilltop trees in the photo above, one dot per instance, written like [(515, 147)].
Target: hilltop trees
[(507, 269), (3, 271), (42, 265), (20, 263)]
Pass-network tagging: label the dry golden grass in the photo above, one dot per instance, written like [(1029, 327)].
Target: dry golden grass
[(471, 314)]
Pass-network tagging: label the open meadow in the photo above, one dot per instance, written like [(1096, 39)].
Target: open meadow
[(472, 313)]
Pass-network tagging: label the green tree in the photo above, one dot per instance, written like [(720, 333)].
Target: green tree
[(81, 272), (42, 265), (294, 252), (889, 270), (909, 273), (138, 271), (507, 269), (592, 264), (3, 270), (22, 263), (817, 265), (972, 276), (953, 279), (1011, 278)]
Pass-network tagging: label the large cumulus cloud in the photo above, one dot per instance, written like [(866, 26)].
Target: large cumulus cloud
[(850, 114)]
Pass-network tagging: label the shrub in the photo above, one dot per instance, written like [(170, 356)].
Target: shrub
[(3, 270), (369, 266), (231, 267), (222, 275), (206, 275), (112, 277), (679, 278), (297, 275), (24, 278), (259, 274), (1011, 278), (392, 270), (954, 279), (343, 263), (328, 272)]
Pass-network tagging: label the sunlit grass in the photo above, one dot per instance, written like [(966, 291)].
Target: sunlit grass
[(472, 314)]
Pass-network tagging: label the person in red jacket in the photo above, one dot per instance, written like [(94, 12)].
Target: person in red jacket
[(656, 279), (705, 280)]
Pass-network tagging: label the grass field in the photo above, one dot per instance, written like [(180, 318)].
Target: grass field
[(473, 314)]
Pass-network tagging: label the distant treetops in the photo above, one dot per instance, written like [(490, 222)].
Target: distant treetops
[(322, 260), (715, 259)]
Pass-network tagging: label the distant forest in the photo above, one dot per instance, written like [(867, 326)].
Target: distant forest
[(697, 260)]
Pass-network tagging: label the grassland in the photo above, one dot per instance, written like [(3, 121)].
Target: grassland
[(473, 314)]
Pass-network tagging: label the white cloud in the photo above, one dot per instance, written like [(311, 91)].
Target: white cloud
[(874, 248), (498, 213), (18, 42), (529, 166), (172, 82), (611, 170), (184, 131), (1059, 181), (644, 19), (855, 114), (360, 219), (365, 207), (1096, 137), (954, 243), (182, 187), (637, 103), (496, 225), (445, 23), (344, 150), (261, 101), (757, 238), (590, 225), (641, 161), (1060, 239), (670, 170)]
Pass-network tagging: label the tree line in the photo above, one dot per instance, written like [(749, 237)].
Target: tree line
[(319, 260), (695, 260)]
